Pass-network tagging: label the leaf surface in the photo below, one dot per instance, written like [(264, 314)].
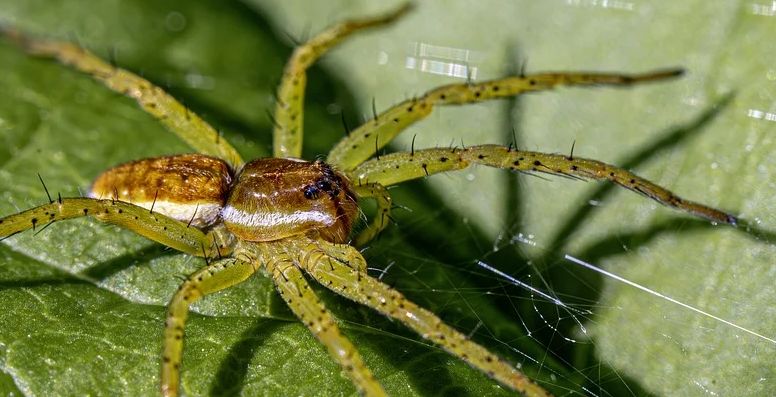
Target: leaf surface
[(84, 303)]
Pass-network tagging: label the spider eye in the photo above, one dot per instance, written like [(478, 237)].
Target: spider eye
[(324, 185), (311, 192)]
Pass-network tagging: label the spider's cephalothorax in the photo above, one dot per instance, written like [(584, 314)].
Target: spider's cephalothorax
[(276, 198), (289, 217)]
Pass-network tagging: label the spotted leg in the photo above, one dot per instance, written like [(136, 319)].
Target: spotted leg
[(337, 268), (196, 132), (287, 135), (381, 218), (152, 225), (399, 167), (363, 142), (212, 278), (292, 286)]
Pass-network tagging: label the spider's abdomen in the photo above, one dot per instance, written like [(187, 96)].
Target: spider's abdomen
[(275, 198), (188, 187)]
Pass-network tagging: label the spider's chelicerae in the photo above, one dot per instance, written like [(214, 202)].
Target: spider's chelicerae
[(285, 217)]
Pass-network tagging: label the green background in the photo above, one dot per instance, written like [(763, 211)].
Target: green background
[(84, 303)]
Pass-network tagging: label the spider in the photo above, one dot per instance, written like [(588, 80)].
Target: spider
[(286, 217)]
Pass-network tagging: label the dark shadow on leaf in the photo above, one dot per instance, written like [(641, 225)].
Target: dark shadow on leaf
[(230, 379), (623, 242), (322, 128), (756, 232), (668, 140), (32, 283), (454, 245), (512, 130), (587, 285), (425, 366), (106, 269)]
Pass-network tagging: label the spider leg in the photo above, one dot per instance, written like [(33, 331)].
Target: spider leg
[(363, 142), (380, 221), (212, 278), (287, 135), (333, 266), (295, 290), (184, 123), (152, 225), (399, 167)]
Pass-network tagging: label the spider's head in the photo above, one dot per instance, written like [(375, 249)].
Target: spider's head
[(275, 198)]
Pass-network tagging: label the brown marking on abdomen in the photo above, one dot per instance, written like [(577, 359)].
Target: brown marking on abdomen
[(187, 186)]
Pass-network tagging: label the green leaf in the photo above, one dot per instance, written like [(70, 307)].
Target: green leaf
[(689, 135), (84, 303)]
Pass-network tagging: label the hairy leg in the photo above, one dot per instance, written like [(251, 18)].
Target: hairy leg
[(149, 224), (337, 267), (189, 127), (399, 167), (363, 142), (287, 135), (294, 289), (380, 221), (212, 278)]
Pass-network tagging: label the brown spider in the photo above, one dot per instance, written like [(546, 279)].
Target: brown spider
[(286, 217)]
